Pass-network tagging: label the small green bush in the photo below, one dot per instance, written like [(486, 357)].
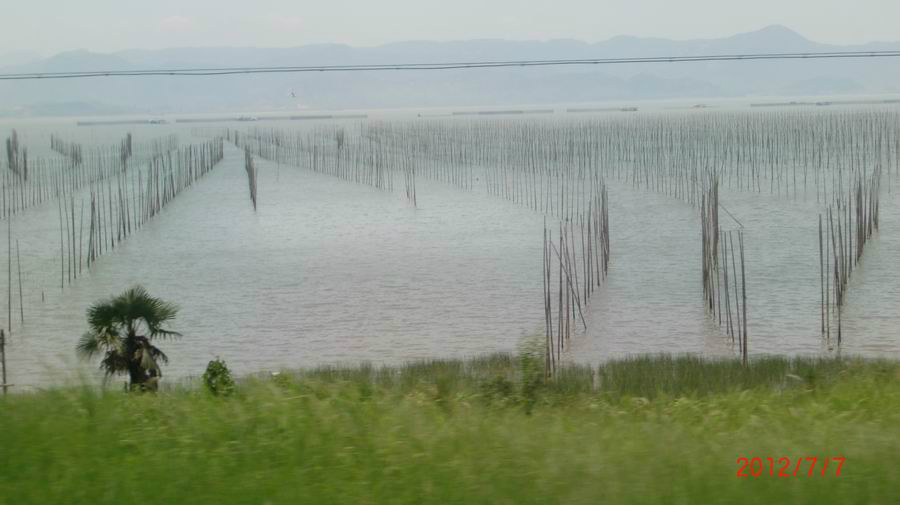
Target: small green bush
[(217, 378)]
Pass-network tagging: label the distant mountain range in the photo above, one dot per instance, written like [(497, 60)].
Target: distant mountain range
[(486, 87)]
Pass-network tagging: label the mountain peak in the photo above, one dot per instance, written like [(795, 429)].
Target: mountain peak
[(774, 33), (776, 28), (773, 38)]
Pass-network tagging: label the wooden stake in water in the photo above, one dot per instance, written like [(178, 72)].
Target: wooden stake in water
[(9, 272), (19, 265), (3, 383), (744, 290), (821, 275)]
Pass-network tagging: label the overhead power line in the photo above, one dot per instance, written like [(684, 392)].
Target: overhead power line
[(443, 66)]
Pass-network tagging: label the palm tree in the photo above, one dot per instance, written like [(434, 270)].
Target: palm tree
[(115, 325)]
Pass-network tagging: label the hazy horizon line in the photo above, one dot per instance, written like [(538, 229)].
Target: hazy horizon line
[(781, 27)]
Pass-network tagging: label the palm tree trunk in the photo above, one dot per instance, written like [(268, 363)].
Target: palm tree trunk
[(137, 376)]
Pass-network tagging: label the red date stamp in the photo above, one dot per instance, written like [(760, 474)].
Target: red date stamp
[(810, 466)]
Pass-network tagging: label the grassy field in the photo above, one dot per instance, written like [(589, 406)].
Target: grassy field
[(644, 430)]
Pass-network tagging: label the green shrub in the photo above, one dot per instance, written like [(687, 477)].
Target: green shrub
[(217, 378)]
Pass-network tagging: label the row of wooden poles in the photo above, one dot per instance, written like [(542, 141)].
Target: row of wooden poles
[(844, 229), (819, 151), (9, 277), (71, 150), (17, 164), (544, 165), (570, 188), (120, 205), (795, 154), (409, 181), (75, 152), (16, 158), (123, 150), (723, 269), (23, 187), (39, 180), (250, 168), (434, 162), (543, 182), (558, 180), (358, 162), (575, 263), (120, 201), (575, 259), (4, 385)]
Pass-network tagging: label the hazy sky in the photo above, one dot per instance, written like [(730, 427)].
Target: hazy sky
[(49, 26)]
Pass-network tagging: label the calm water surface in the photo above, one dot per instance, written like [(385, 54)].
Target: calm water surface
[(327, 271)]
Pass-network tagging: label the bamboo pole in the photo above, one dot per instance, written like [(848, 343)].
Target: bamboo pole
[(19, 265)]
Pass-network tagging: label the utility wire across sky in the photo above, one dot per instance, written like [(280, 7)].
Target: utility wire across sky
[(442, 66)]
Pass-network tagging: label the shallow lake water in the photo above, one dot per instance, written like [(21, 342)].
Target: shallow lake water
[(327, 271)]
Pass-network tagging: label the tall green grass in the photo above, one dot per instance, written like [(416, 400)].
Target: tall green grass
[(643, 430)]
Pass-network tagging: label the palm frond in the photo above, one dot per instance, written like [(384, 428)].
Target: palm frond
[(161, 333), (158, 354), (95, 342), (103, 316), (114, 363), (136, 304), (125, 312), (88, 345)]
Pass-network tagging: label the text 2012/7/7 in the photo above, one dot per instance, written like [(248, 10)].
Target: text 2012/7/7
[(784, 467)]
